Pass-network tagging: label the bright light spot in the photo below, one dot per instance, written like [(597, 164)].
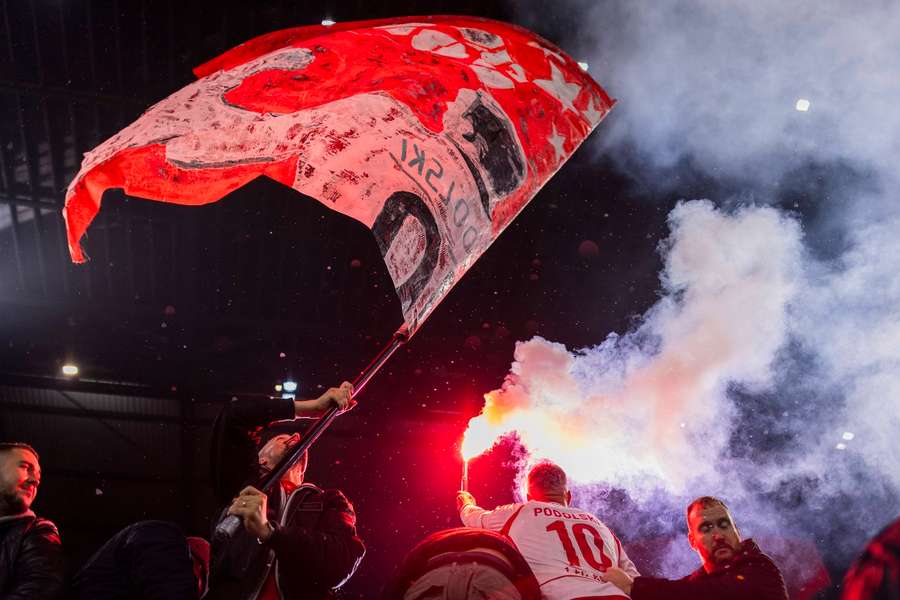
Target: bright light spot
[(327, 22), (841, 446), (290, 386), (278, 387), (479, 437), (848, 436), (70, 370), (583, 65), (287, 396), (802, 105)]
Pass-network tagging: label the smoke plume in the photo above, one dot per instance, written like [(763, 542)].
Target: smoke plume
[(768, 372)]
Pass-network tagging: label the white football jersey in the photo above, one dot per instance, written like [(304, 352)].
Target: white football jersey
[(567, 548)]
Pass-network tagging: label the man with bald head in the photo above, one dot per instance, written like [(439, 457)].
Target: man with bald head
[(31, 558), (567, 548), (732, 568)]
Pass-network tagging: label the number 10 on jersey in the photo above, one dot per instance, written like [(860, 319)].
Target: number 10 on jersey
[(581, 532)]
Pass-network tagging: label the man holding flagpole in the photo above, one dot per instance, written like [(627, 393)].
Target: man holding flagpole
[(298, 541)]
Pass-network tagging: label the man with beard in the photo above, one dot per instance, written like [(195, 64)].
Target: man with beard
[(732, 569), (31, 558)]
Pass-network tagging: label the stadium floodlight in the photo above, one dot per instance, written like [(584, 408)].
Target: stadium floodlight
[(802, 105)]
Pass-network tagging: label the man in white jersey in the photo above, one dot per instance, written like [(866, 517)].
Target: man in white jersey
[(567, 548)]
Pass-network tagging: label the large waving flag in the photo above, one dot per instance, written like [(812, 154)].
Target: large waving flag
[(434, 132)]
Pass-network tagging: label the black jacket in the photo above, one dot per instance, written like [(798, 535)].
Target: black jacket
[(315, 546), (31, 559), (751, 575)]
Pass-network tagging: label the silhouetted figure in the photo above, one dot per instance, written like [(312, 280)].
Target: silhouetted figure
[(150, 560), (875, 575), (464, 563)]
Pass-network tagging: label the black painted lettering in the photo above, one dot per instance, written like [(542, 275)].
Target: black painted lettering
[(432, 173), (387, 225), (446, 199), (419, 158), (470, 236), (460, 212)]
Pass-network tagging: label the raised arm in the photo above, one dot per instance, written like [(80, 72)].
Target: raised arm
[(473, 515), (234, 454), (341, 396)]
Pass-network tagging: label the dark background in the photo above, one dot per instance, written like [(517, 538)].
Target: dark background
[(182, 307)]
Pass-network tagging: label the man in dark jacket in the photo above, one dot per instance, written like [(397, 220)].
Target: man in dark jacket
[(298, 541), (732, 569), (31, 558)]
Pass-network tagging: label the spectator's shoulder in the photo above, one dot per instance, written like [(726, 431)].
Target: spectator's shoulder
[(334, 498), (44, 527), (754, 555), (695, 575)]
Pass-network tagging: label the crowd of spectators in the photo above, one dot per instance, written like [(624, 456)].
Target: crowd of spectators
[(300, 541)]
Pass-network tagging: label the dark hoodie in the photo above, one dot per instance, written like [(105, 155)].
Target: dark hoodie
[(750, 575)]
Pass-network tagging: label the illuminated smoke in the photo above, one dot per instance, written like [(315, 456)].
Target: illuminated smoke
[(648, 408), (766, 384)]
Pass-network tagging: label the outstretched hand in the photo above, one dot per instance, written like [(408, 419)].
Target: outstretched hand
[(341, 396), (463, 498)]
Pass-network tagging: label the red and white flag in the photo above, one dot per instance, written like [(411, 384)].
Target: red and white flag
[(434, 132)]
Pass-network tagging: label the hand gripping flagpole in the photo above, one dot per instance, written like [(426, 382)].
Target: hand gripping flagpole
[(228, 526)]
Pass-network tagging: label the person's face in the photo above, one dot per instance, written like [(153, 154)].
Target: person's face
[(275, 449), (20, 476), (713, 535)]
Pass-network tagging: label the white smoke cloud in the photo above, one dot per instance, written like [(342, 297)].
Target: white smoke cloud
[(629, 410), (770, 346), (649, 409), (718, 81)]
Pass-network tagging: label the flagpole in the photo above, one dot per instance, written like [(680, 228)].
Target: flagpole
[(229, 525)]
